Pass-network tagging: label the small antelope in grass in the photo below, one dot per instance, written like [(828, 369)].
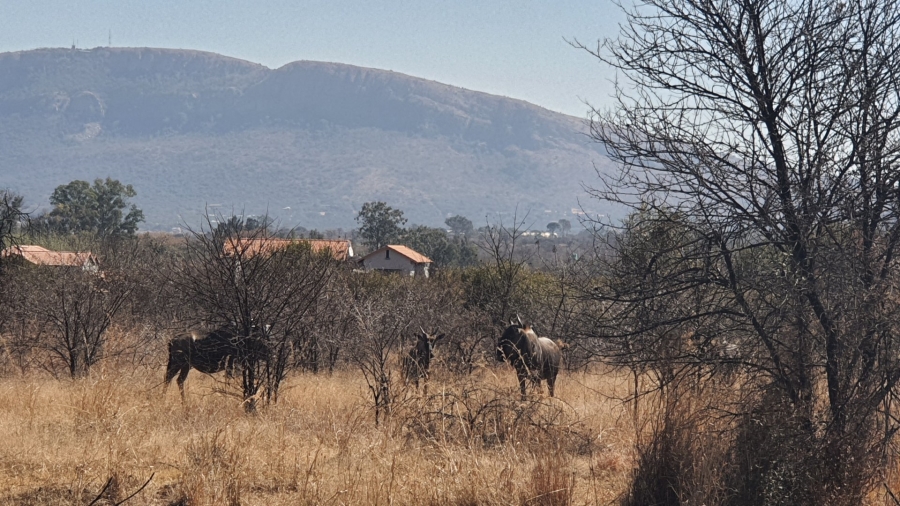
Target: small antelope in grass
[(417, 362)]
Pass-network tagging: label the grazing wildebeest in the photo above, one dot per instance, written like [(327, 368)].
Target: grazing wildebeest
[(417, 362), (533, 357), (216, 351)]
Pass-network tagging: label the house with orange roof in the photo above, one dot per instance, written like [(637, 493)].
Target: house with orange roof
[(38, 255), (341, 249), (398, 259)]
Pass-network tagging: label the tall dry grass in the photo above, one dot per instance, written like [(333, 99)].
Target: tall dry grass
[(470, 441)]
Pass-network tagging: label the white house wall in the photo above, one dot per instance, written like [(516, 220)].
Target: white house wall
[(397, 262)]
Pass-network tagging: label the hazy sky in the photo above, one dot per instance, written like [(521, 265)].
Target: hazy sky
[(512, 48)]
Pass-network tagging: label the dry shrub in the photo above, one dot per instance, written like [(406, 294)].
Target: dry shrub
[(7, 360), (211, 473), (473, 415), (552, 482), (682, 458), (18, 348), (775, 461), (783, 458), (772, 454)]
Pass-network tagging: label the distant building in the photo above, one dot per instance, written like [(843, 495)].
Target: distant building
[(341, 249), (396, 258), (38, 255), (534, 233)]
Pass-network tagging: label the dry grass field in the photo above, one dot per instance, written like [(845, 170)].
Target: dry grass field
[(469, 441)]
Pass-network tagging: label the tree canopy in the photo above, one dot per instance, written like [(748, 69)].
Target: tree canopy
[(98, 208), (442, 249), (460, 225), (235, 225), (380, 224)]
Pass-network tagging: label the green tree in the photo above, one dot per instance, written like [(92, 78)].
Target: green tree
[(565, 225), (253, 222), (440, 247), (234, 224), (99, 209), (552, 227), (460, 225), (231, 226), (380, 224)]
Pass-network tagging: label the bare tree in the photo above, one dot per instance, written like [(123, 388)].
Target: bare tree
[(330, 325), (382, 307), (249, 282), (471, 339), (558, 295), (497, 289), (11, 218), (70, 309), (770, 130)]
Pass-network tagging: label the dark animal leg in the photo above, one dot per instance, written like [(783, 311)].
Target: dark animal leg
[(170, 373), (181, 377), (551, 382), (522, 379)]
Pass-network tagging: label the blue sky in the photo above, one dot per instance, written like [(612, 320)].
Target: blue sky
[(512, 48)]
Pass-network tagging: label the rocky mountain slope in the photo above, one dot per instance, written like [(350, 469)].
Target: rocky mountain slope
[(307, 143)]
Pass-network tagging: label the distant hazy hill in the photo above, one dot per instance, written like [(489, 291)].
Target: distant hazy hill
[(190, 129)]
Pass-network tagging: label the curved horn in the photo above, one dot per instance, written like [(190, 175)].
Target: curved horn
[(519, 320), (422, 330)]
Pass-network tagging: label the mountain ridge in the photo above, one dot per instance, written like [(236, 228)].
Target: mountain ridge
[(307, 142)]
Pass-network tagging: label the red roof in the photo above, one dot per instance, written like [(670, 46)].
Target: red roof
[(42, 256), (409, 253), (341, 249)]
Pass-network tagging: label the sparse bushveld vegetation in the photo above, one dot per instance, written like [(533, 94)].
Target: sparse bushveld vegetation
[(468, 443), (660, 402), (733, 343), (333, 420)]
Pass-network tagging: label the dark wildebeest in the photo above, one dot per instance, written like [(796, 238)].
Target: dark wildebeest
[(216, 351), (417, 362), (534, 357)]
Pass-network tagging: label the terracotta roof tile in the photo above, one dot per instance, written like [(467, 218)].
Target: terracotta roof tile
[(341, 249), (409, 253), (42, 256)]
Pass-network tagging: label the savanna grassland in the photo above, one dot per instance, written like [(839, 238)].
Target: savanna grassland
[(65, 439)]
